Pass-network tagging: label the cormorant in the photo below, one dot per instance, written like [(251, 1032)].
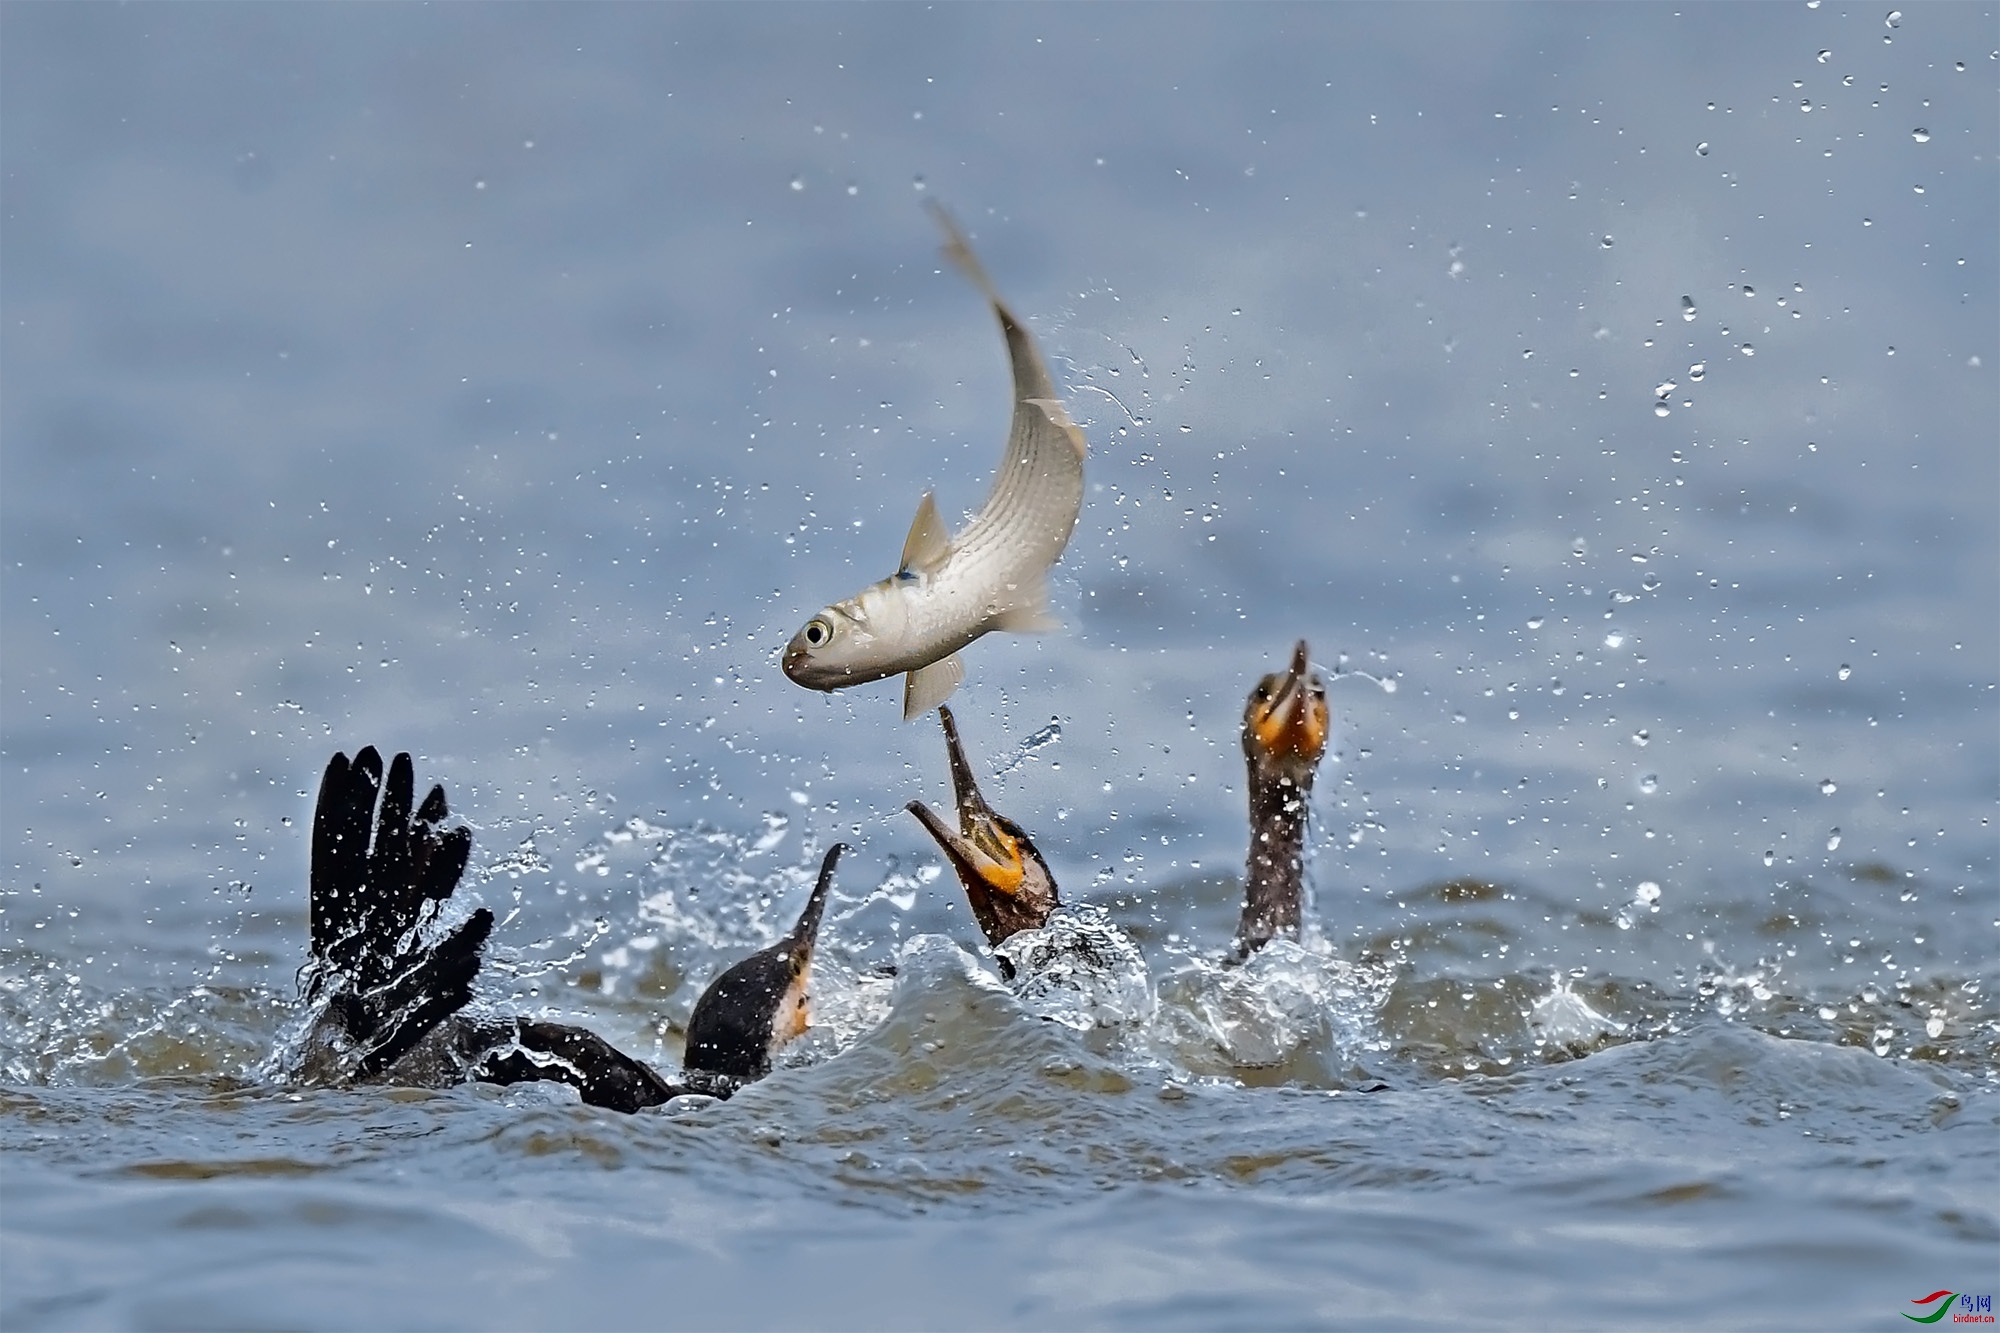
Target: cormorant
[(1285, 725), (1005, 878), (396, 988)]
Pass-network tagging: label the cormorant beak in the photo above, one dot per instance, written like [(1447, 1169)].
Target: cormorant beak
[(1006, 880), (758, 1005), (1286, 717), (792, 1017)]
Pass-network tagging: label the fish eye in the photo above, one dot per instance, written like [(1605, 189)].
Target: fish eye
[(818, 631)]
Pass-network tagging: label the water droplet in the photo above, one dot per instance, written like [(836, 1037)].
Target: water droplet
[(1702, 148), (1805, 104), (1615, 639), (1528, 354), (1845, 671), (1651, 583), (798, 182), (1895, 19), (1579, 548), (1642, 738), (1934, 1027), (1534, 622), (1665, 387), (1921, 135), (1749, 349), (1698, 370), (1833, 841), (1649, 892), (1687, 309), (1607, 242), (1649, 784), (1662, 410), (1824, 56), (1770, 858), (1828, 787)]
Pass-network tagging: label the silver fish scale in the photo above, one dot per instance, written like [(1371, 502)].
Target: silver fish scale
[(997, 564)]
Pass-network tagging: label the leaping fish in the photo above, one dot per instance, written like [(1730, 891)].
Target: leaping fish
[(992, 576)]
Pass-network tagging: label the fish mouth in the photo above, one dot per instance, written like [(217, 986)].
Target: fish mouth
[(800, 666), (1287, 717)]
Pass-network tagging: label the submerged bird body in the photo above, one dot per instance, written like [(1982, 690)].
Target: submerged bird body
[(948, 591), (1285, 726), (1006, 880), (395, 985)]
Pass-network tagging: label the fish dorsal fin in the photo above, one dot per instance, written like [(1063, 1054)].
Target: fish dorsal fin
[(927, 687), (928, 543)]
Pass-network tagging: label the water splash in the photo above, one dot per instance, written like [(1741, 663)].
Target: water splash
[(1081, 971), (1217, 1016), (1564, 1019), (1033, 745)]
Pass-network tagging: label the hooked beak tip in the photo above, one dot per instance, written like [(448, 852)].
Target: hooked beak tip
[(1293, 723)]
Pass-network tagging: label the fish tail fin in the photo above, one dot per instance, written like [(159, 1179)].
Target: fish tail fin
[(927, 687), (959, 251)]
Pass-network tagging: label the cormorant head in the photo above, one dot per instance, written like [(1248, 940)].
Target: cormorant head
[(1005, 878), (758, 1005), (1285, 723)]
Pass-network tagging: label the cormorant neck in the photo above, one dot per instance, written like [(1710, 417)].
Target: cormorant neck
[(1274, 877)]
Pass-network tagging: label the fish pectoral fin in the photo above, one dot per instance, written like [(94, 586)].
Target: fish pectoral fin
[(928, 543), (927, 687)]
